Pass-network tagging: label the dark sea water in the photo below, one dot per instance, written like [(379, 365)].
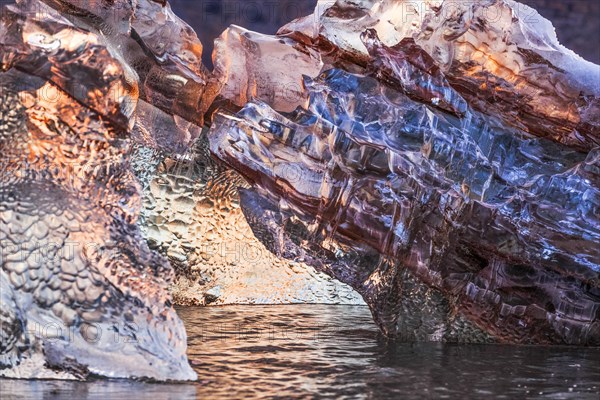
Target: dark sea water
[(336, 352)]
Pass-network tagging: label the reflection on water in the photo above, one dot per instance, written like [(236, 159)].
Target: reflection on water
[(336, 352)]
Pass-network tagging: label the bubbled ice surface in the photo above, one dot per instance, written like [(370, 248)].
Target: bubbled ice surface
[(192, 215), (82, 292)]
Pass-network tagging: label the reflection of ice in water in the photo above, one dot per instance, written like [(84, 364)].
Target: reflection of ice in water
[(335, 351)]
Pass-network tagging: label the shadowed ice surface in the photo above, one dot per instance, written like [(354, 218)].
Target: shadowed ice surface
[(337, 352)]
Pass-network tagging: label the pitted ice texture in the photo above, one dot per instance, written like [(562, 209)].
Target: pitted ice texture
[(192, 214), (81, 291)]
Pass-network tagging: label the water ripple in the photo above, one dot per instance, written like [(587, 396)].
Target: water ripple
[(336, 352)]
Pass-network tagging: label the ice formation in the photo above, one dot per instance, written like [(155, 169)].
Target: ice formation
[(441, 158), (79, 284), (453, 145), (500, 55), (192, 214), (250, 65)]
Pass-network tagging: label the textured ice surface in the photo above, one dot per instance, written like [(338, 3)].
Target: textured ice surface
[(269, 68), (461, 152), (81, 291), (501, 56), (163, 57), (191, 213), (85, 86), (502, 224)]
